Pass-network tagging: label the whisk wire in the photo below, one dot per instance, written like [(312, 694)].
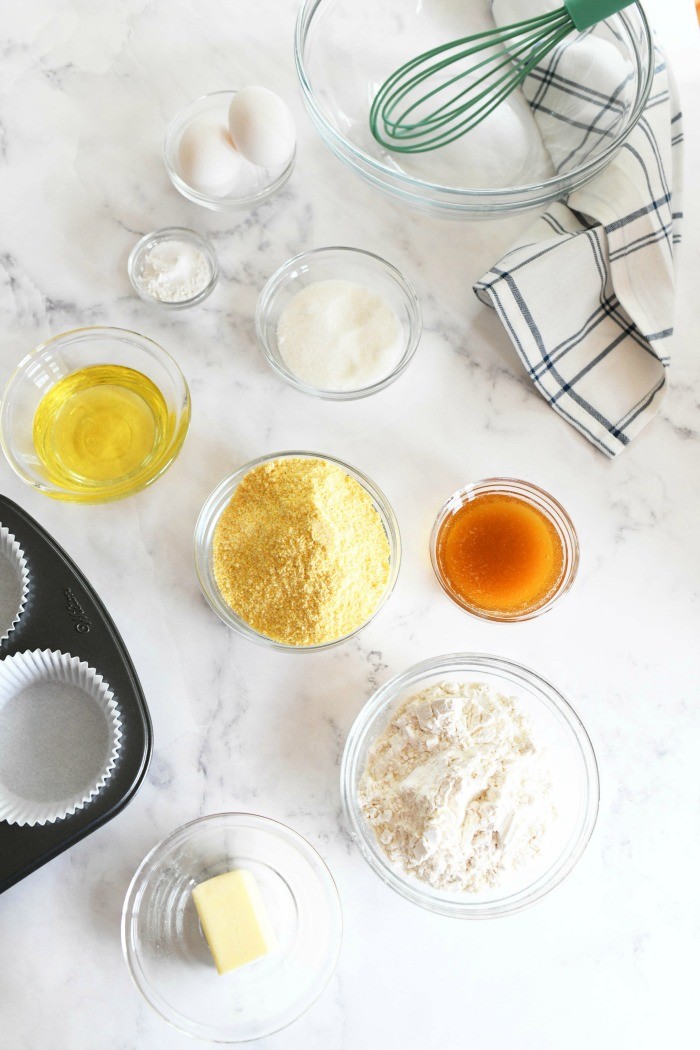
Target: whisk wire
[(483, 42), (444, 124), (401, 128), (478, 113), (396, 101)]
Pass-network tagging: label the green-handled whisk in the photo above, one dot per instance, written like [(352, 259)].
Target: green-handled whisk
[(407, 114)]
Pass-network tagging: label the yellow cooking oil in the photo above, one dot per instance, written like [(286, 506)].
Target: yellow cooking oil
[(101, 426)]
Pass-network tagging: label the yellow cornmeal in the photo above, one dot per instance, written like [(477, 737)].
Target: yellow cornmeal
[(300, 553)]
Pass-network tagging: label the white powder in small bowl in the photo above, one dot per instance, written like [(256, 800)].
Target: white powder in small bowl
[(339, 336), (174, 271)]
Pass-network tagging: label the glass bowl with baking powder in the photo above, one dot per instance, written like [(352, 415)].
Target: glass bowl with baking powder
[(342, 266), (204, 549), (173, 267), (559, 736)]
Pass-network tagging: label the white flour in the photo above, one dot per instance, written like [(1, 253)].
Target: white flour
[(455, 789)]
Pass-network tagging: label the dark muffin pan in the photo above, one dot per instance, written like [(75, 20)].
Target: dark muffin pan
[(63, 613)]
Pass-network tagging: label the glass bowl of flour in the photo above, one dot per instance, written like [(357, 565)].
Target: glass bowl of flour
[(338, 323), (470, 785)]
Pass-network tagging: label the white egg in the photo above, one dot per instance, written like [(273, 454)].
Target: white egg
[(262, 127), (208, 159)]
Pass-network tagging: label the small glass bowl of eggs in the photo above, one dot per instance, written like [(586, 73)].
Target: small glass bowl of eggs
[(231, 150)]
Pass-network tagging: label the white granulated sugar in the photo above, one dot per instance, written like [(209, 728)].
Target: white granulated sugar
[(339, 335), (455, 789), (174, 271)]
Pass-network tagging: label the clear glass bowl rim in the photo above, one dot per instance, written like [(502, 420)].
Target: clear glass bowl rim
[(204, 199), (549, 189), (149, 864), (522, 490), (76, 334), (413, 307), (216, 502), (173, 233), (432, 900)]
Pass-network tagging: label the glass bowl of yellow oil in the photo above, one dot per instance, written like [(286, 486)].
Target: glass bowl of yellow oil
[(93, 415)]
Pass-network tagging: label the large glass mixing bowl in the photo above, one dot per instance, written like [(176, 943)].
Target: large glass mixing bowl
[(345, 49)]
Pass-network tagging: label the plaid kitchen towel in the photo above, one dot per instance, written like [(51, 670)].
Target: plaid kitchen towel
[(587, 296)]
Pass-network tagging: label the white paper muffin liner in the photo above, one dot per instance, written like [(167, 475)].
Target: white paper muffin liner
[(60, 735), (12, 562)]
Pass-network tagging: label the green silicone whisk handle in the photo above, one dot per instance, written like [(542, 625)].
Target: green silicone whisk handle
[(586, 13)]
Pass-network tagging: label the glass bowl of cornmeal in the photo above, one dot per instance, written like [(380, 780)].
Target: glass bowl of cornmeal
[(231, 927), (94, 414), (504, 549), (297, 551)]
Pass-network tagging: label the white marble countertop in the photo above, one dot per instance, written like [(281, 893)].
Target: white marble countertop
[(608, 960)]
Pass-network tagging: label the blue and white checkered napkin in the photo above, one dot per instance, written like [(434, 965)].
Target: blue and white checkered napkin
[(587, 296)]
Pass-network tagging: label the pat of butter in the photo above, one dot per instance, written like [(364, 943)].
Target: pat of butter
[(234, 920)]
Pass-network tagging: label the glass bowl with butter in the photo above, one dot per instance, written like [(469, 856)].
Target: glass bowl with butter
[(274, 927), (94, 414)]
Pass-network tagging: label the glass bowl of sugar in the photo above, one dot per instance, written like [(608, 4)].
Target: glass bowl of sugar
[(338, 323)]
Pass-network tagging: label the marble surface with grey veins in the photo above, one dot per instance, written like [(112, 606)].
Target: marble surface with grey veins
[(610, 959)]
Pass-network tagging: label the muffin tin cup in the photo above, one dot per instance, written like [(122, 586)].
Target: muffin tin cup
[(60, 734), (75, 734), (14, 582)]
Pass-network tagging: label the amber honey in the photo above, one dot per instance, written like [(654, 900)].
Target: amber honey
[(500, 555)]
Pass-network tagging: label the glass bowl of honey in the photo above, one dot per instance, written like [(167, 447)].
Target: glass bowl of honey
[(94, 414), (504, 550)]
